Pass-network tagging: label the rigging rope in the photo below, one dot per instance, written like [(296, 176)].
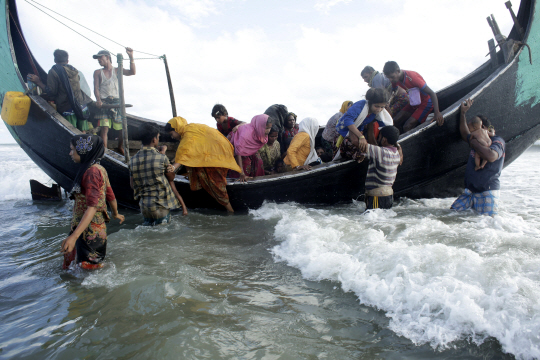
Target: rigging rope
[(28, 1)]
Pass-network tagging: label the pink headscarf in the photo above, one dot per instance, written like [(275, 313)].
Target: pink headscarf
[(249, 138)]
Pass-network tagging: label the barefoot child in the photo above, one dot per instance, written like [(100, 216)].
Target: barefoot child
[(482, 136)]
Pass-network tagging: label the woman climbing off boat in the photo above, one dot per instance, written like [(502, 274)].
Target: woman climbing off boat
[(87, 240)]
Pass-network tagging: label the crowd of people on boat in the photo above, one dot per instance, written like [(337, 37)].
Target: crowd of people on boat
[(271, 143)]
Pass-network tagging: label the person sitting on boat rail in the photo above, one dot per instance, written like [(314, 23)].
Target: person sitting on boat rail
[(422, 100), (482, 187), (56, 91), (360, 124), (301, 154), (384, 159), (225, 123), (398, 99), (207, 156), (247, 141), (87, 240), (152, 182), (106, 92)]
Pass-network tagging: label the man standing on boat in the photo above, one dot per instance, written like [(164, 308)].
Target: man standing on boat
[(382, 170), (57, 91), (151, 181), (482, 187), (106, 92)]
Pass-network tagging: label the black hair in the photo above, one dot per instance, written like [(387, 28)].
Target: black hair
[(60, 56), (367, 69), (270, 121), (377, 95), (274, 128), (168, 128), (319, 147), (293, 115), (148, 132), (390, 67), (391, 133), (219, 110), (485, 120)]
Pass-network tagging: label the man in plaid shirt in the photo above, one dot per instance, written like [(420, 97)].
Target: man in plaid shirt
[(153, 185)]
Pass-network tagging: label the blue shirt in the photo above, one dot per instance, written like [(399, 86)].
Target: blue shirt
[(487, 178), (342, 125)]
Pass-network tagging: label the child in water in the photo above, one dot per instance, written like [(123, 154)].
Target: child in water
[(482, 136)]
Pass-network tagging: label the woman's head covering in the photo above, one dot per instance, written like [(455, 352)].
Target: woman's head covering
[(249, 138), (90, 148), (343, 109), (178, 124), (311, 127)]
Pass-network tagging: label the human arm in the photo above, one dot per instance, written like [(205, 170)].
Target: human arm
[(463, 128), (237, 124), (400, 150), (243, 176), (114, 211), (170, 178), (435, 102), (131, 182), (132, 70), (97, 82), (298, 142), (362, 142), (37, 80), (485, 152), (69, 243)]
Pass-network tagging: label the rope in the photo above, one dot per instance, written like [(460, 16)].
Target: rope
[(93, 42), (103, 36)]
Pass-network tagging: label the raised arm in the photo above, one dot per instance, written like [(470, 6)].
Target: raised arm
[(435, 101), (132, 70), (463, 128)]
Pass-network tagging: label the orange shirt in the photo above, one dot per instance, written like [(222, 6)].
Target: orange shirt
[(299, 150)]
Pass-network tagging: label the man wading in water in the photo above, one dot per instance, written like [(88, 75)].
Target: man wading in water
[(482, 187), (106, 92)]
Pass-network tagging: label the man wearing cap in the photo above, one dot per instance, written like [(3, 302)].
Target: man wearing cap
[(106, 92), (382, 170)]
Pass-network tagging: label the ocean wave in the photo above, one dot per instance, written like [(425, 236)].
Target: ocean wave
[(439, 275)]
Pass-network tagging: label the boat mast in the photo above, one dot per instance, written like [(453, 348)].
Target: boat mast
[(169, 82), (120, 74)]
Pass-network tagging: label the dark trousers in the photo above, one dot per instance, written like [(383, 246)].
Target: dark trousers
[(379, 202)]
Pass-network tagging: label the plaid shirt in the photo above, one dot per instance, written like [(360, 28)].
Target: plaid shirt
[(148, 169)]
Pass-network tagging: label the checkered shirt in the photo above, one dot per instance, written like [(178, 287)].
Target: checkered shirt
[(148, 169)]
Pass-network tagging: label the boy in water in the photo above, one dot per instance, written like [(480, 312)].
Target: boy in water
[(482, 136), (225, 124), (413, 114)]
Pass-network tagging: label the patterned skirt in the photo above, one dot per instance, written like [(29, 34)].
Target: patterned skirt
[(90, 248), (211, 179)]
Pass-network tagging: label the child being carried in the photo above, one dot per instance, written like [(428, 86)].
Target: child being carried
[(482, 136)]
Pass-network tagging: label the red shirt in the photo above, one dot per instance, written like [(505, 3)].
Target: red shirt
[(226, 127), (91, 184), (412, 79)]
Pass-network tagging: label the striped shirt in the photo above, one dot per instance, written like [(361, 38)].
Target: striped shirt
[(383, 164), (148, 169)]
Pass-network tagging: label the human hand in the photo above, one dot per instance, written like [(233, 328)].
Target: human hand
[(68, 244), (439, 118), (362, 145), (235, 128), (303, 167), (119, 217), (170, 168), (129, 51), (34, 78), (184, 211), (466, 106), (99, 104), (243, 177), (162, 149)]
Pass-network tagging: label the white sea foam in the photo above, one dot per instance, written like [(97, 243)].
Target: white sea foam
[(16, 170), (439, 275)]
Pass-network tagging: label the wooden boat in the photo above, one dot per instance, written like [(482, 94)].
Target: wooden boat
[(435, 157)]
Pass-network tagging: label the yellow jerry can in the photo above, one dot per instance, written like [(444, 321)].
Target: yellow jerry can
[(15, 108)]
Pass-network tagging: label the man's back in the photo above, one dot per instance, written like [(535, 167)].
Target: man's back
[(148, 169), (57, 91), (383, 164)]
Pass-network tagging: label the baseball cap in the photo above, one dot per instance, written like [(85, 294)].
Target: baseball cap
[(100, 53)]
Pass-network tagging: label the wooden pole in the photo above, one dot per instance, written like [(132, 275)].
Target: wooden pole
[(493, 54), (516, 21), (122, 108), (171, 92)]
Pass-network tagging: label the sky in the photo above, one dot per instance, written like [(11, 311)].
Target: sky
[(250, 54)]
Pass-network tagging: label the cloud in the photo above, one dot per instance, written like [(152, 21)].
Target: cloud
[(325, 5)]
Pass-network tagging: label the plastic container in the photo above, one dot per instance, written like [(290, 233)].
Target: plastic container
[(414, 96), (15, 108)]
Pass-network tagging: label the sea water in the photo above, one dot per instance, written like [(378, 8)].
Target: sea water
[(284, 281)]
